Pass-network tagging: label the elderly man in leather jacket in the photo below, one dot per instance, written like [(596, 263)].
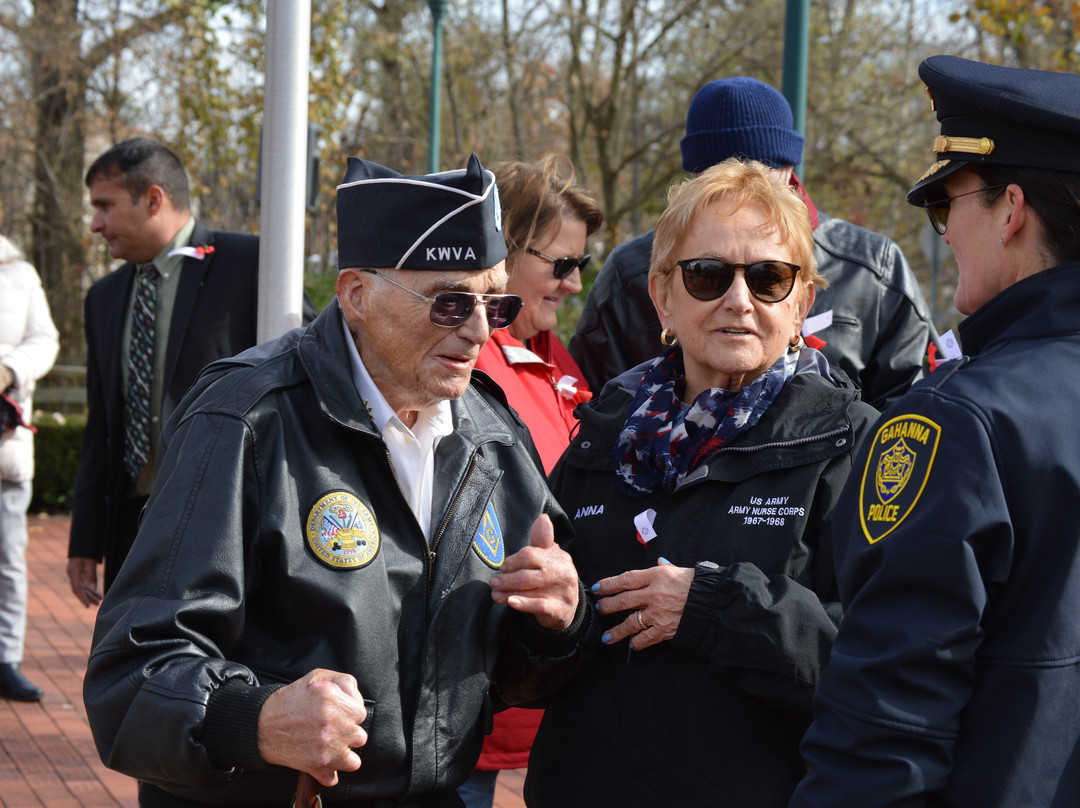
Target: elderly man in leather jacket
[(871, 321), (347, 562)]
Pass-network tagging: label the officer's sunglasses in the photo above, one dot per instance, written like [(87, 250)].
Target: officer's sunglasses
[(709, 278), (563, 266), (938, 211), (451, 309)]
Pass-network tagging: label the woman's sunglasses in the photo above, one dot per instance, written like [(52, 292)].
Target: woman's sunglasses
[(451, 309), (709, 278), (938, 211), (563, 266)]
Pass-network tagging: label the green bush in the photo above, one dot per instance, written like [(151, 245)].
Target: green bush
[(56, 459), (320, 288)]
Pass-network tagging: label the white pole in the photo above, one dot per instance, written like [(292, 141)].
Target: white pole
[(284, 146)]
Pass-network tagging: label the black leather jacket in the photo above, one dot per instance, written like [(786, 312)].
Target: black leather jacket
[(879, 335), (225, 597)]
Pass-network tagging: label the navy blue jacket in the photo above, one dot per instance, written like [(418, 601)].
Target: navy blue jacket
[(955, 677)]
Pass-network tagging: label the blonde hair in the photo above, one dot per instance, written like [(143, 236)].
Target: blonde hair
[(738, 184)]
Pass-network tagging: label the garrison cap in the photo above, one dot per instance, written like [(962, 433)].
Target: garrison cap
[(445, 221), (1005, 115)]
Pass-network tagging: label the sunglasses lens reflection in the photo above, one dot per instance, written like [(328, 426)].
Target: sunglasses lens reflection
[(707, 280), (939, 217), (452, 308), (769, 281), (502, 311)]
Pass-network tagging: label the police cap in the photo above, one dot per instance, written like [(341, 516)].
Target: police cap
[(992, 114)]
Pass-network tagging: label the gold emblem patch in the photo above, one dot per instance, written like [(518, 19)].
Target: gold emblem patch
[(896, 473), (341, 531)]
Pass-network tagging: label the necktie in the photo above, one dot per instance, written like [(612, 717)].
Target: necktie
[(140, 372)]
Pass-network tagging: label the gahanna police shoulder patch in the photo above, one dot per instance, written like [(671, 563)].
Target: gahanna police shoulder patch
[(341, 531), (896, 473), (488, 541)]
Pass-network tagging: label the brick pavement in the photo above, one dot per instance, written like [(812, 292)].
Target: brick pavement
[(47, 756)]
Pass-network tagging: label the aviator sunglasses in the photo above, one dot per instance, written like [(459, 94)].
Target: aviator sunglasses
[(563, 266), (709, 278), (938, 211), (451, 309)]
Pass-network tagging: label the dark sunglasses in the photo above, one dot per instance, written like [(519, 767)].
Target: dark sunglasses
[(563, 266), (938, 211), (709, 278), (451, 309)]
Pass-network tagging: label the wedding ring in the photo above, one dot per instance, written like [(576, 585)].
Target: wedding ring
[(640, 622)]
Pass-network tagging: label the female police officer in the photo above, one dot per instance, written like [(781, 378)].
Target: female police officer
[(955, 678)]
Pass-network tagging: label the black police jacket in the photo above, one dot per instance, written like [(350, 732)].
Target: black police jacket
[(277, 541), (880, 330), (714, 715)]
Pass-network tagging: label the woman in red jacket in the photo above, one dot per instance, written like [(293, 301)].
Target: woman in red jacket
[(546, 219)]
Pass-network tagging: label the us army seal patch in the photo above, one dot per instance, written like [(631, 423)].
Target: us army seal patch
[(341, 531), (896, 472), (488, 541)]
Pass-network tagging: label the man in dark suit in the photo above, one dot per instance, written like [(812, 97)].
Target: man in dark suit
[(205, 289)]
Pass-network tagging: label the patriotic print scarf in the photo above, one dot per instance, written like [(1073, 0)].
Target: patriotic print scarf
[(662, 441)]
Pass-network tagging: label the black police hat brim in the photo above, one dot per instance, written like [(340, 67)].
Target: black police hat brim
[(1003, 115)]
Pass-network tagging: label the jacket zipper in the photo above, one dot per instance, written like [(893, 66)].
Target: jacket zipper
[(841, 430), (430, 550), (446, 521), (697, 474)]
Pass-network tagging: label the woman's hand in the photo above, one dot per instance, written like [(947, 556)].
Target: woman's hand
[(657, 595)]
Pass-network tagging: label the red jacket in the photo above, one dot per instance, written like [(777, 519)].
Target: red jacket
[(535, 383), (542, 382)]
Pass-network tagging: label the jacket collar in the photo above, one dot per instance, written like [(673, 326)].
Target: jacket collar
[(1040, 305), (804, 195)]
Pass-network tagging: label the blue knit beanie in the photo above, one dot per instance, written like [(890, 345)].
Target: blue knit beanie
[(740, 116)]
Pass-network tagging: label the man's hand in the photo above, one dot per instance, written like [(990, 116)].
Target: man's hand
[(313, 725), (83, 575), (539, 579)]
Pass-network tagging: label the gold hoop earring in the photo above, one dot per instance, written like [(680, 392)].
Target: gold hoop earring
[(667, 339), (797, 345)]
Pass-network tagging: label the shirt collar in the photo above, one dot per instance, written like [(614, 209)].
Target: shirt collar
[(437, 417), (167, 264)]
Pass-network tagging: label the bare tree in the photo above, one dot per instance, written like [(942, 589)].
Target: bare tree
[(59, 63)]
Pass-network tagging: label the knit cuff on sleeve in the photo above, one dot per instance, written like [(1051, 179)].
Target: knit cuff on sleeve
[(230, 731), (563, 642)]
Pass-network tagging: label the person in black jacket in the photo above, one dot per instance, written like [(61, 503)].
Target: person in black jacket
[(347, 562), (701, 486), (206, 285), (955, 677), (871, 322)]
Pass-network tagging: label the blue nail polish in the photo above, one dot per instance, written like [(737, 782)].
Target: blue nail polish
[(664, 560), (596, 587), (606, 637)]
